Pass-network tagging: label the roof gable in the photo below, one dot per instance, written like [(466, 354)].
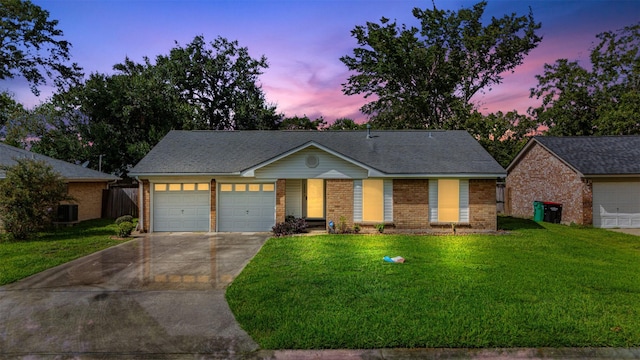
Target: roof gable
[(594, 155), (70, 172), (420, 153), (311, 161)]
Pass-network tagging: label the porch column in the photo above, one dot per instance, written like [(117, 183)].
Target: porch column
[(280, 200)]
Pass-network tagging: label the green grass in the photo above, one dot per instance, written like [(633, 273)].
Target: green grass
[(540, 285), (19, 259)]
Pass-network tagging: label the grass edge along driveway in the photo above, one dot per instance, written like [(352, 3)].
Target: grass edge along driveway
[(20, 259), (541, 285)]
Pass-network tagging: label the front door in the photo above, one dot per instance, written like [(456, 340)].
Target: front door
[(315, 199)]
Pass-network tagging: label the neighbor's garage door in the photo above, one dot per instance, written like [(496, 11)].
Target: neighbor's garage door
[(246, 207), (616, 204), (181, 207)]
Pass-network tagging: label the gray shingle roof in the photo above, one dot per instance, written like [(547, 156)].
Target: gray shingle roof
[(597, 155), (391, 152), (71, 172)]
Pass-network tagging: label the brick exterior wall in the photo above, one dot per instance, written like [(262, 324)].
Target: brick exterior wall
[(214, 189), (280, 200), (540, 176), (411, 204), (339, 201), (483, 212), (146, 200), (88, 196)]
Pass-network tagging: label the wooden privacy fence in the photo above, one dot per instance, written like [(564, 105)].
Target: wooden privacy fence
[(117, 202), (500, 201)]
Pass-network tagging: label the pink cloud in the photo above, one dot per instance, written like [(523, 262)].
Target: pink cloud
[(303, 41)]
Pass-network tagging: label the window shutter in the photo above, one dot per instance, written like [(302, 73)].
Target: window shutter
[(357, 200), (464, 200), (433, 200), (388, 200)]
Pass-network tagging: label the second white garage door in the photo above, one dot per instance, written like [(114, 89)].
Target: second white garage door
[(616, 204), (246, 207)]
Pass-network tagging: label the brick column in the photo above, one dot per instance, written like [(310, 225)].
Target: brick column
[(146, 200), (482, 204), (411, 204), (339, 200), (280, 200), (213, 205), (587, 202)]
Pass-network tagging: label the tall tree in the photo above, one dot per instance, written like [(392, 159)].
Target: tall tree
[(568, 106), (602, 100), (501, 134), (302, 123), (220, 81), (31, 45), (10, 114), (118, 118), (115, 119), (425, 77), (346, 124)]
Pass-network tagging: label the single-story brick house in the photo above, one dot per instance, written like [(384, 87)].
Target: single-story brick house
[(228, 181), (595, 178), (84, 185)]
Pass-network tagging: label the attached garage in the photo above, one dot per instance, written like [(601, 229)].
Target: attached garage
[(181, 207), (246, 207), (616, 204)]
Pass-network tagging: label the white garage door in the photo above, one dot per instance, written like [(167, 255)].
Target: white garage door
[(181, 207), (246, 207), (616, 204)]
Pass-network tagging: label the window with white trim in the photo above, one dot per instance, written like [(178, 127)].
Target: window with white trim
[(373, 200), (449, 201)]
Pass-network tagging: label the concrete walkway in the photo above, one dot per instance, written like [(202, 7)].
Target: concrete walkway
[(157, 296)]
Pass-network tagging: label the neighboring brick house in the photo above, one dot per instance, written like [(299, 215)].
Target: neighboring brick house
[(596, 179), (414, 181), (84, 185)]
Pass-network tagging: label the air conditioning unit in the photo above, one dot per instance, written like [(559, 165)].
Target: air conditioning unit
[(67, 213)]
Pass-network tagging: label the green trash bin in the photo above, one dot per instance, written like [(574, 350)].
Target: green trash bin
[(538, 211)]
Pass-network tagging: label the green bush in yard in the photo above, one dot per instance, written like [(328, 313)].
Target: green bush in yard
[(124, 218), (29, 196), (125, 229)]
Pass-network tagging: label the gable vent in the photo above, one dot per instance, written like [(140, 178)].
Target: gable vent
[(312, 161)]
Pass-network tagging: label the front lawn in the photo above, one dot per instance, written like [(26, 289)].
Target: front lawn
[(541, 285), (19, 259)]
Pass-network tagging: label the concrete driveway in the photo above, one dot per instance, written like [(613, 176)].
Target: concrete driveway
[(635, 232), (155, 296)]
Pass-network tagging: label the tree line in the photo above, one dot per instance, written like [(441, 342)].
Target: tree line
[(415, 77)]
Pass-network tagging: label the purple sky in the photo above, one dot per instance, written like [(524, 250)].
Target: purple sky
[(304, 39)]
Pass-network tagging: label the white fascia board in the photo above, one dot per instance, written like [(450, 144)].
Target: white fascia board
[(616, 176), (250, 172), (147, 176), (444, 176), (75, 180)]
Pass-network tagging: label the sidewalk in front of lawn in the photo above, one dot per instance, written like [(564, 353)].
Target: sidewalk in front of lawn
[(503, 353)]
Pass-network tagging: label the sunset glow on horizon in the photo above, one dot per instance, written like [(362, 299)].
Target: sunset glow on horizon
[(304, 40)]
